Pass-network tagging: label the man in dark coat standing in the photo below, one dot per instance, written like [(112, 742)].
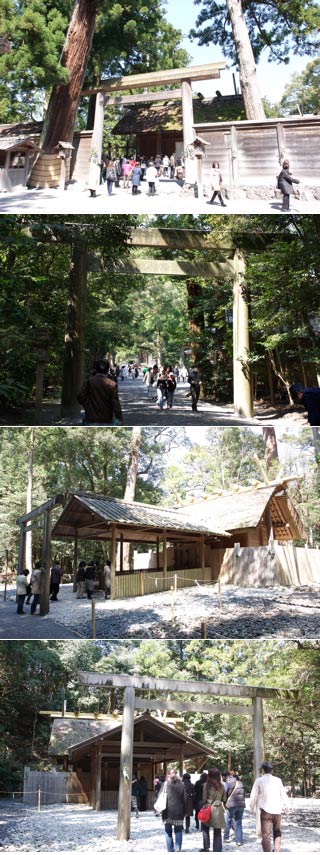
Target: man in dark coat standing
[(99, 396), (285, 182), (309, 396)]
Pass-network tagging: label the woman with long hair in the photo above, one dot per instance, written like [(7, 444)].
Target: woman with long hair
[(214, 794), (174, 814)]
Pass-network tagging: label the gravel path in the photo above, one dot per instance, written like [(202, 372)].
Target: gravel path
[(245, 613), (64, 827)]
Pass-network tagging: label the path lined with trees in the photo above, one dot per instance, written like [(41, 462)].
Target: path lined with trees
[(62, 305)]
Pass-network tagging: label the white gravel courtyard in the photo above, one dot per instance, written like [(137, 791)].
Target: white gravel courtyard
[(79, 828)]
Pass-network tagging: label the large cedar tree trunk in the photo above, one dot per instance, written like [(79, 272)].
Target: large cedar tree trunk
[(270, 445), (64, 99), (74, 334), (130, 490), (247, 67), (29, 500)]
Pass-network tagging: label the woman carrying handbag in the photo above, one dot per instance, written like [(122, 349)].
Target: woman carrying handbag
[(212, 813), (174, 812)]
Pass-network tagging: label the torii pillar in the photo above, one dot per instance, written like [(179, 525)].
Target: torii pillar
[(188, 133), (96, 144), (126, 757), (242, 394)]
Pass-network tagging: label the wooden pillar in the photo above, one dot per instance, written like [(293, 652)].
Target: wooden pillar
[(22, 548), (39, 391), (165, 767), (165, 556), (188, 132), (124, 809), (96, 144), (98, 778), (75, 562), (258, 741), (45, 561), (181, 759), (121, 553), (243, 403), (158, 555), (113, 560), (203, 557)]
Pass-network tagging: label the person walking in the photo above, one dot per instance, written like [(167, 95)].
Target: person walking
[(151, 175), (136, 178), (143, 793), (36, 579), (170, 387), (309, 396), (216, 184), (195, 384), (161, 389), (235, 806), (174, 814), (172, 166), (99, 396), (56, 574), (110, 176), (165, 165), (148, 381), (198, 795), (135, 792), (126, 172), (81, 580), (107, 579), (269, 796), (189, 788), (214, 795), (90, 574), (22, 590), (285, 182)]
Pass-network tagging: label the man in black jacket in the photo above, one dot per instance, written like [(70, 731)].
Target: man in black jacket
[(310, 398)]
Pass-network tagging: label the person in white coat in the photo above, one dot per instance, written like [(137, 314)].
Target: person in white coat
[(269, 796)]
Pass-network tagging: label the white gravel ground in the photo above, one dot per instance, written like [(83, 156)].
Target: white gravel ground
[(79, 828), (245, 613)]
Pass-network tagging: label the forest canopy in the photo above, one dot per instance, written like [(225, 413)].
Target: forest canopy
[(35, 675)]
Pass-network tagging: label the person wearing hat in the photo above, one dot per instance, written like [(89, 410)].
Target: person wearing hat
[(269, 796), (309, 396)]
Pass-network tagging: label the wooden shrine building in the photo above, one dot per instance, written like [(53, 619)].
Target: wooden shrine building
[(91, 750)]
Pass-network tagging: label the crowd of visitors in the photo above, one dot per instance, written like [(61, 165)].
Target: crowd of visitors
[(29, 585), (129, 172), (217, 801)]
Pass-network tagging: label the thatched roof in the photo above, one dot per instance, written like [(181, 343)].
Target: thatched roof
[(152, 737), (243, 509), (92, 517), (167, 116), (69, 731)]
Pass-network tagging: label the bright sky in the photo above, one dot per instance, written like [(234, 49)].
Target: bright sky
[(272, 76)]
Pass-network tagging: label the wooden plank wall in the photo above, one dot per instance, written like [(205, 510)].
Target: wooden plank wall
[(265, 566), (56, 788), (138, 584), (256, 149)]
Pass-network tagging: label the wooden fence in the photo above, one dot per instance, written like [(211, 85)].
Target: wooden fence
[(265, 566), (138, 584), (250, 152), (55, 788)]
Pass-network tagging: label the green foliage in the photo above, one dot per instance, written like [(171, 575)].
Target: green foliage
[(280, 28), (33, 675), (129, 37), (302, 94)]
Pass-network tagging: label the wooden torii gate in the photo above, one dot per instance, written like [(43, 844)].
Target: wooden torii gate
[(105, 96), (40, 517), (256, 695), (233, 266)]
